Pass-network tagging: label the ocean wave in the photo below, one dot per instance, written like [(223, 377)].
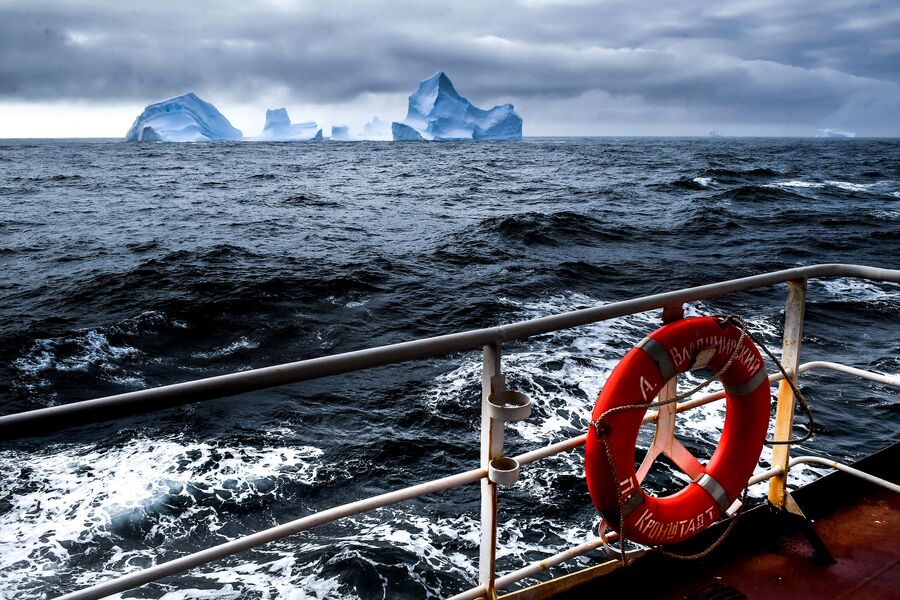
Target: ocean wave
[(242, 343), (759, 193), (107, 354), (554, 229), (73, 499), (738, 176), (798, 184), (347, 254)]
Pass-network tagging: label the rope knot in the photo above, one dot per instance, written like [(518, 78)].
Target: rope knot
[(601, 428)]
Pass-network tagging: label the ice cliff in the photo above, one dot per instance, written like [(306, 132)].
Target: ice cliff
[(184, 118), (279, 128), (437, 112)]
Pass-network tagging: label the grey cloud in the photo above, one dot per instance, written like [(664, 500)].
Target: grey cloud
[(729, 62)]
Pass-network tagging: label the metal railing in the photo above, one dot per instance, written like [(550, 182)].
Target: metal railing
[(494, 466)]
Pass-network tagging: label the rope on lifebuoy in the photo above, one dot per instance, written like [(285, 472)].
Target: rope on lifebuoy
[(724, 343)]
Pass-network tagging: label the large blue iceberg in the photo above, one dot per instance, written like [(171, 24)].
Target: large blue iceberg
[(185, 118), (437, 112), (279, 128)]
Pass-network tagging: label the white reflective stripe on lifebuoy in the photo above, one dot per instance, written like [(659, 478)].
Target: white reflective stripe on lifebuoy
[(749, 386), (660, 356), (715, 490), (632, 503)]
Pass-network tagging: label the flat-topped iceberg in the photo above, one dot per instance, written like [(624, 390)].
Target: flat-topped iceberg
[(184, 118), (340, 133), (279, 128), (834, 133), (437, 112)]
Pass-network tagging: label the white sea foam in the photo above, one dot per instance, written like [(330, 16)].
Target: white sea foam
[(89, 350), (242, 343), (851, 187), (81, 352), (705, 181), (847, 289), (798, 184), (847, 186), (77, 495)]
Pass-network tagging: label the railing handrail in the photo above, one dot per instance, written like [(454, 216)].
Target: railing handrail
[(490, 340), (107, 408), (214, 553)]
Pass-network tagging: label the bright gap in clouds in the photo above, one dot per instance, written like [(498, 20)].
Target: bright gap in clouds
[(91, 120)]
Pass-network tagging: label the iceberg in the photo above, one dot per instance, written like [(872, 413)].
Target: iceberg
[(184, 118), (340, 133), (437, 112), (279, 128), (834, 133), (376, 129), (405, 133)]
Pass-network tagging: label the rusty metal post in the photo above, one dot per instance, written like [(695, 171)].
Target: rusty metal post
[(784, 411), (491, 447)]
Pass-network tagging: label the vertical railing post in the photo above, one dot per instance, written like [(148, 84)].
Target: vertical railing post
[(784, 411), (491, 447)]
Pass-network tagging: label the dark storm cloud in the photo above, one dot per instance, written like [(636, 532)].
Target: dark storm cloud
[(740, 61)]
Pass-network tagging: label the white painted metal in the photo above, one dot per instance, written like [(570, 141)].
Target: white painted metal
[(893, 380), (509, 405), (491, 448), (503, 470), (664, 440), (817, 365), (846, 469)]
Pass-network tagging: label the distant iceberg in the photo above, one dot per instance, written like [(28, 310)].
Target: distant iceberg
[(185, 118), (376, 129), (279, 128), (834, 133), (405, 133), (437, 112), (340, 133)]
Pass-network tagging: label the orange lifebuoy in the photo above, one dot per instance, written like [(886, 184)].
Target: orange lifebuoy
[(684, 345)]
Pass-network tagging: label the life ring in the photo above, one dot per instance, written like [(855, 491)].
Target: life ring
[(684, 345)]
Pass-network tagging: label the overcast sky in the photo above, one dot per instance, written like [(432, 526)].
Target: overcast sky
[(570, 67)]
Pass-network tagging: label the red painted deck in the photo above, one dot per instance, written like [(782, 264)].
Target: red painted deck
[(767, 557)]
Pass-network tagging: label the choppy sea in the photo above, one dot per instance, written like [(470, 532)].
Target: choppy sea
[(125, 266)]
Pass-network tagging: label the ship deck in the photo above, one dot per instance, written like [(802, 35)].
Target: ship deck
[(769, 556)]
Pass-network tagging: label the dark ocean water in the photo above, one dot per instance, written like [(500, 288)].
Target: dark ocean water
[(126, 266)]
